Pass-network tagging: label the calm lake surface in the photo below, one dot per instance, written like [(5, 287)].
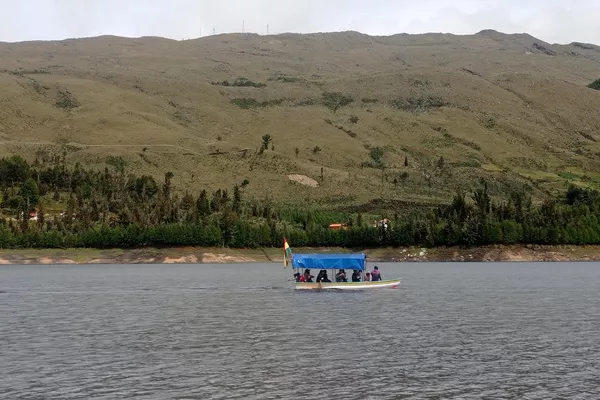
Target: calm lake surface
[(453, 330)]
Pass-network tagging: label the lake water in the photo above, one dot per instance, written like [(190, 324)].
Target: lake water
[(454, 330)]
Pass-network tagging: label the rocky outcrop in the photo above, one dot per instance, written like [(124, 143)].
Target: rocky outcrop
[(543, 49)]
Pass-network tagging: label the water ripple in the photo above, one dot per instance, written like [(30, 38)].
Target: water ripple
[(464, 331)]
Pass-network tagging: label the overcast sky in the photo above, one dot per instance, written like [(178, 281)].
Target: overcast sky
[(555, 21)]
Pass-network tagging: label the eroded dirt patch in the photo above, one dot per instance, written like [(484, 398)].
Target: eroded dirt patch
[(191, 259), (303, 179), (223, 258)]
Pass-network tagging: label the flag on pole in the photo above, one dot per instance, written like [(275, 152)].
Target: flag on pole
[(287, 252)]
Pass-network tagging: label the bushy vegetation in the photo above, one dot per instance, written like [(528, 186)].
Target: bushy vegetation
[(110, 208), (419, 103), (248, 103), (336, 100), (595, 84), (240, 82), (285, 79)]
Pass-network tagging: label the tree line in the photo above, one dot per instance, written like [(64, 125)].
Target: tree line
[(112, 208)]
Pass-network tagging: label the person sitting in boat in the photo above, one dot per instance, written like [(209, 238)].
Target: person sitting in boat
[(319, 276), (341, 276), (307, 276), (375, 274), (322, 277), (367, 277), (297, 277), (355, 276)]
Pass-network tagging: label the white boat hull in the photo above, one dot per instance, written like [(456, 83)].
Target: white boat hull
[(389, 284)]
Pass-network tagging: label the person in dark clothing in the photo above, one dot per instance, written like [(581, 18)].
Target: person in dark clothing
[(320, 276), (341, 276), (355, 276)]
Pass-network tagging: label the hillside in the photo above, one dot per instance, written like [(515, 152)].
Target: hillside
[(509, 108)]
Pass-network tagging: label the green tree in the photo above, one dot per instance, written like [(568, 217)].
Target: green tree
[(167, 184), (359, 220), (482, 200), (40, 217), (215, 202), (458, 210), (186, 206), (237, 199), (144, 187), (13, 170), (6, 237), (30, 193), (16, 203)]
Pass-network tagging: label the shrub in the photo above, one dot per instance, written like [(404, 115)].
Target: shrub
[(595, 85), (248, 102), (376, 154), (490, 123), (240, 82), (336, 100), (284, 79), (421, 103)]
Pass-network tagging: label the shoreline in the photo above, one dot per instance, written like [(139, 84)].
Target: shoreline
[(203, 255)]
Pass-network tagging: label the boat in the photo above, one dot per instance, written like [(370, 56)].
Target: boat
[(334, 262)]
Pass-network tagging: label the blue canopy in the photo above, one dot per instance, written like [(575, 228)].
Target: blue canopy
[(330, 261)]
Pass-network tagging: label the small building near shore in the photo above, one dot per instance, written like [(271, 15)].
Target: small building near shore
[(338, 227), (382, 223)]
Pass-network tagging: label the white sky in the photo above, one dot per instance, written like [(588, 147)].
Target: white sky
[(555, 21)]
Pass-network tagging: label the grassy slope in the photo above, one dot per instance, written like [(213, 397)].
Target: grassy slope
[(513, 113)]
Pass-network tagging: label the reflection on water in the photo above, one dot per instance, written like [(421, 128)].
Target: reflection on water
[(241, 331)]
